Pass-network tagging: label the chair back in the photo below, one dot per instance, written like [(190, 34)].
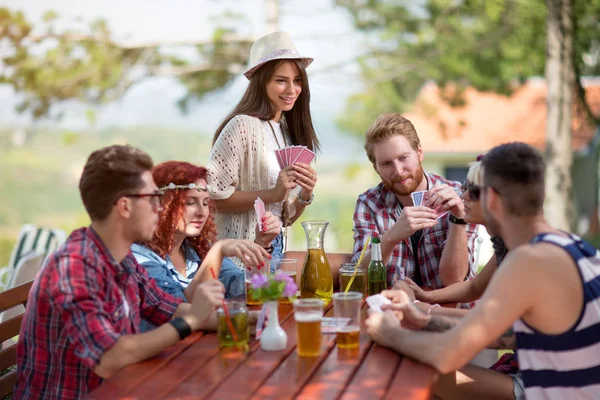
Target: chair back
[(32, 242), (16, 296), (335, 262)]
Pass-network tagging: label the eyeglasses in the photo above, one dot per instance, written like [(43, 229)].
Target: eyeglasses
[(474, 190), (156, 198)]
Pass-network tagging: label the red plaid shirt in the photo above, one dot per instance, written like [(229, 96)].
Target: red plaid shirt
[(376, 210), (81, 302)]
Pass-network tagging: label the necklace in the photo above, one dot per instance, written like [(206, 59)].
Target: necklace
[(284, 202), (275, 136)]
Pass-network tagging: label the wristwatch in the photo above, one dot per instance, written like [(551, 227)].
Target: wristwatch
[(457, 221), (182, 327), (306, 202)]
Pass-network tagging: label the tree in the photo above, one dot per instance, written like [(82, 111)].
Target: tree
[(490, 45), (53, 66), (560, 77)]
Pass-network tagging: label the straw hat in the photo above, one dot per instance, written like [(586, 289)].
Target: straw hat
[(274, 46)]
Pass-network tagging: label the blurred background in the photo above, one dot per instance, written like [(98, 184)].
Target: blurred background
[(470, 74)]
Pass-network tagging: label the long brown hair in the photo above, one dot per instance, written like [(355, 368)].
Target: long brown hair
[(255, 103), (179, 173)]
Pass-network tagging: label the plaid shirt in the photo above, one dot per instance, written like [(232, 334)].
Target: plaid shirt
[(81, 302), (376, 210)]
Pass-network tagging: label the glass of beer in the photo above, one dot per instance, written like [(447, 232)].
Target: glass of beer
[(308, 314), (347, 305), (287, 266), (360, 283), (251, 301), (238, 316)]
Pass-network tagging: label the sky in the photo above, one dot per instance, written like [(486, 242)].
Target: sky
[(319, 29)]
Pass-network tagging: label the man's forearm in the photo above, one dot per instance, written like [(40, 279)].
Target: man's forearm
[(430, 348), (454, 264), (130, 349)]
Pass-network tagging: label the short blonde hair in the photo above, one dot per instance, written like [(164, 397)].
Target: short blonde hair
[(474, 173), (387, 126)]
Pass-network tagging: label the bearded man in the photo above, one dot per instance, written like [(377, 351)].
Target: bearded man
[(428, 242)]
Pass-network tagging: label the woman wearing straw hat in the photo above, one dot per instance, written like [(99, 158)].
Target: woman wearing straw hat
[(273, 113)]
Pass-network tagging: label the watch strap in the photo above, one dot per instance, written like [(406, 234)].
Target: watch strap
[(458, 221), (181, 326), (306, 202)]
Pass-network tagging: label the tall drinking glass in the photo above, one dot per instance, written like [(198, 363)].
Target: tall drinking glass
[(238, 316), (251, 301), (347, 305), (289, 267), (308, 314)]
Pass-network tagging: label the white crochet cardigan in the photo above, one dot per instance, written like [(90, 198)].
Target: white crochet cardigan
[(238, 161)]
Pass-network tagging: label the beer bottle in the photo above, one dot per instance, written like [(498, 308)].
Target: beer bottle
[(377, 271)]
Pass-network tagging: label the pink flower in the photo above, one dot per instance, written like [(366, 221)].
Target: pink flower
[(259, 281), (290, 289)]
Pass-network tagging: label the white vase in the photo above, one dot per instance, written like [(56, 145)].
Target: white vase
[(273, 337)]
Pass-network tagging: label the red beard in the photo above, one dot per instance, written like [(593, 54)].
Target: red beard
[(394, 185)]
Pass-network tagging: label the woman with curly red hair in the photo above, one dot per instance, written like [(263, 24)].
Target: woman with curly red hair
[(184, 246)]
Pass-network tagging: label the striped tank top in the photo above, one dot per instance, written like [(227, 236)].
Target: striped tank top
[(567, 365)]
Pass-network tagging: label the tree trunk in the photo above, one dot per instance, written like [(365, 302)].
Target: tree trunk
[(560, 82)]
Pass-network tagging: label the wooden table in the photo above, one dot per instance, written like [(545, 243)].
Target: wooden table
[(195, 368)]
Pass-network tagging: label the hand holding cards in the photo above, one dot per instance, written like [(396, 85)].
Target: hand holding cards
[(376, 301), (419, 198), (293, 154)]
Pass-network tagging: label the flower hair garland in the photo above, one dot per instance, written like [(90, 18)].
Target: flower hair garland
[(189, 186)]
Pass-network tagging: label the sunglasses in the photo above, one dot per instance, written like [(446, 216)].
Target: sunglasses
[(474, 190)]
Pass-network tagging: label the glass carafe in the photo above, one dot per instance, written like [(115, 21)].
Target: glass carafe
[(316, 280)]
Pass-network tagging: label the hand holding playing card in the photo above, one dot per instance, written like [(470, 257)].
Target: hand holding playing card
[(443, 198), (306, 178), (411, 220), (267, 229), (286, 180)]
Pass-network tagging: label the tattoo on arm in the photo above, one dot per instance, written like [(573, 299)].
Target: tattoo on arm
[(440, 324), (508, 340)]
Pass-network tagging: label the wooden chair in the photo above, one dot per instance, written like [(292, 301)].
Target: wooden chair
[(335, 262), (8, 357)]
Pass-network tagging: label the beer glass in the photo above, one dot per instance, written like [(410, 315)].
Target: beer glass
[(288, 267), (347, 305), (308, 314), (251, 301), (360, 283), (238, 315)]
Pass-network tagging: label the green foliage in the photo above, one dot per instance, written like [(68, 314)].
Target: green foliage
[(490, 45), (53, 66), (6, 245)]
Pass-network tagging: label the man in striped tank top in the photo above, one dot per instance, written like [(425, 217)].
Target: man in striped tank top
[(548, 290)]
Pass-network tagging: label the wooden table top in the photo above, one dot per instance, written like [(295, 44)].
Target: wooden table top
[(195, 368)]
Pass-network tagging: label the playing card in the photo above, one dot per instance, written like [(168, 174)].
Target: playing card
[(305, 156), (260, 322), (259, 209), (279, 155), (331, 324), (417, 197), (442, 214), (376, 301)]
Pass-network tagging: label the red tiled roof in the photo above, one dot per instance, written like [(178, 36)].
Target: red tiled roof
[(489, 119)]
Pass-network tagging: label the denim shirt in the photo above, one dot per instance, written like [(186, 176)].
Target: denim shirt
[(171, 281)]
